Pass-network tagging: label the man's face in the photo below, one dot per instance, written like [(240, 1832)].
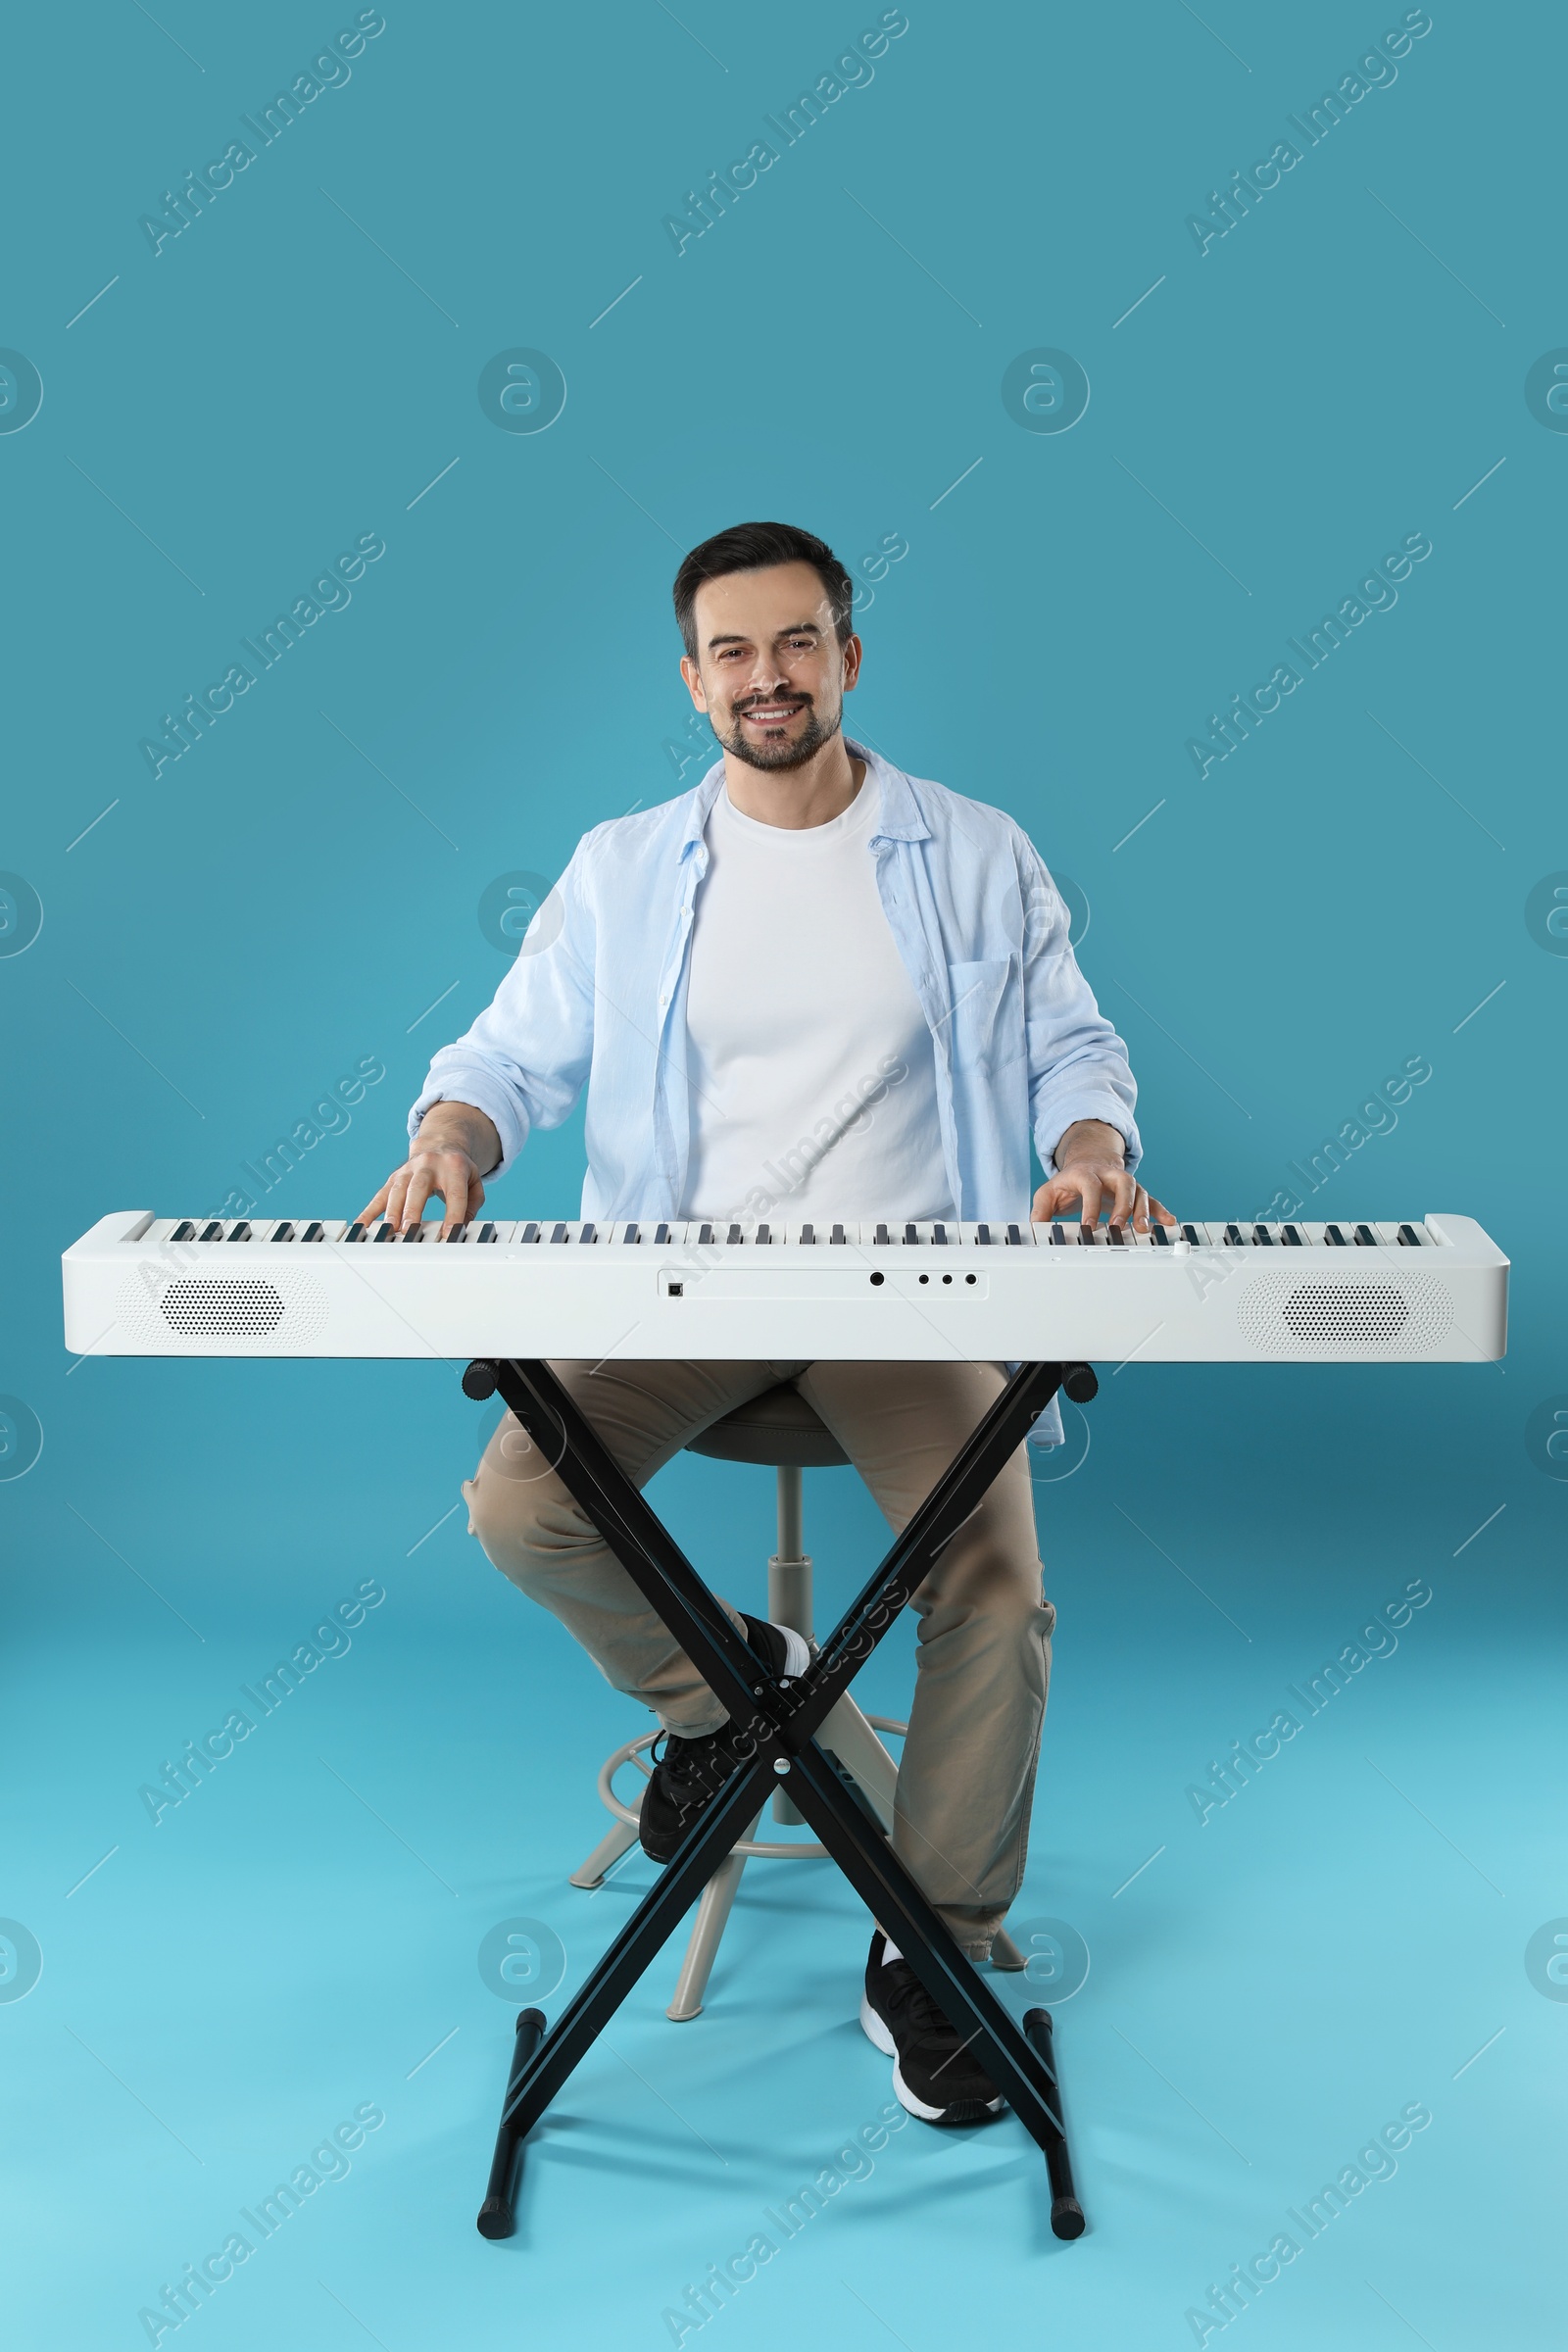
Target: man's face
[(770, 670)]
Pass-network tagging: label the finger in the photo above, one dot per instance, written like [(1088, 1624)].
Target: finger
[(397, 1186), (1141, 1211), (1068, 1191), (1089, 1195), (1158, 1209), (422, 1182), (1058, 1193), (374, 1209), (462, 1194), (1122, 1190)]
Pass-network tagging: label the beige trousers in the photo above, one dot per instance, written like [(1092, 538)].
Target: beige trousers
[(966, 1777)]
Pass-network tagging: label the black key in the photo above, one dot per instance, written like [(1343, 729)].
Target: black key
[(764, 1233), (1190, 1235), (558, 1233), (213, 1231), (313, 1233), (458, 1232), (530, 1233), (1365, 1237), (1291, 1235), (386, 1233), (807, 1233), (735, 1235), (1058, 1237), (837, 1234), (939, 1237), (185, 1231), (1262, 1237), (588, 1233), (704, 1236), (487, 1233), (660, 1236), (982, 1235), (284, 1232), (355, 1233), (1334, 1237), (882, 1240), (241, 1232), (1014, 1237), (1158, 1235), (1087, 1235), (416, 1233), (631, 1234), (912, 1233), (1232, 1236), (1116, 1236), (1409, 1239)]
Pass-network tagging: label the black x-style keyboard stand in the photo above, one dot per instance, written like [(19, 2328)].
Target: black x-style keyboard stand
[(780, 1720)]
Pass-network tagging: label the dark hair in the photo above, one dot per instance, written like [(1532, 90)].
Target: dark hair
[(758, 547)]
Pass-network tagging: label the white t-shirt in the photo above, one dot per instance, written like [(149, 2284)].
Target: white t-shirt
[(811, 1070)]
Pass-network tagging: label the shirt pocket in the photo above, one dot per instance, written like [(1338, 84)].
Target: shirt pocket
[(979, 1039)]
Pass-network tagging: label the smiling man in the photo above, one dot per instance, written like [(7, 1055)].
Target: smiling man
[(812, 988)]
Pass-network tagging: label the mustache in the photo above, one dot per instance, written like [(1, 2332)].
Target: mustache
[(763, 702)]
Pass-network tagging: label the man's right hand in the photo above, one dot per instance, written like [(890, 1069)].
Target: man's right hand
[(456, 1146)]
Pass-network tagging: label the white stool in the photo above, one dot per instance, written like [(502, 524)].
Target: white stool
[(777, 1430)]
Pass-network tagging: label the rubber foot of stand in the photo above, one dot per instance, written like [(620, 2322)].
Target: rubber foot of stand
[(495, 2219), (1066, 2217)]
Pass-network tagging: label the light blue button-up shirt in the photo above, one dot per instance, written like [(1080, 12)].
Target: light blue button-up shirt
[(597, 996)]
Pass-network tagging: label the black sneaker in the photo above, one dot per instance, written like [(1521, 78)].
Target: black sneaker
[(690, 1773), (936, 2074)]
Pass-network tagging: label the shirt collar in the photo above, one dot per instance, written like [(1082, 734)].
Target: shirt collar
[(901, 820)]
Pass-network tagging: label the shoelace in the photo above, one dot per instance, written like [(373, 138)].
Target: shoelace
[(925, 2013), (691, 1766)]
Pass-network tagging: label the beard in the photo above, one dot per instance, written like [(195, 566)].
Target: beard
[(787, 751)]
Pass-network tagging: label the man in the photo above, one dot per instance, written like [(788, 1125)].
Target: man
[(811, 989)]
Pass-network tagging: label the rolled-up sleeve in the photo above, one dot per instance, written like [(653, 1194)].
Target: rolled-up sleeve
[(526, 1058), (1078, 1066)]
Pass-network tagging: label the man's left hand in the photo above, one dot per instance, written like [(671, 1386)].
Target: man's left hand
[(1091, 1175)]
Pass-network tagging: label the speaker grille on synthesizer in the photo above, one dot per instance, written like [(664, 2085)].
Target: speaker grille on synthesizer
[(1398, 1316), (271, 1313), (251, 1306)]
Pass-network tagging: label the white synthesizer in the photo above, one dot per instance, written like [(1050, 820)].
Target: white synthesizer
[(1437, 1290)]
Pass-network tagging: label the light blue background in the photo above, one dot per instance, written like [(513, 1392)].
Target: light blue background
[(226, 942)]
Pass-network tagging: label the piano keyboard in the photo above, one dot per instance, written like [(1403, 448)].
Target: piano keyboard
[(1434, 1289)]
